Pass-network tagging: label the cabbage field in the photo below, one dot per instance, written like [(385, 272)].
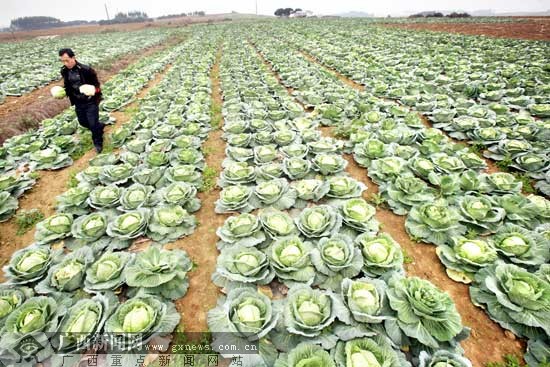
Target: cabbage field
[(36, 62), (335, 192)]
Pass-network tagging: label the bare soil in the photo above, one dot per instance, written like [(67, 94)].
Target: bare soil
[(19, 114), (50, 184), (201, 245), (532, 29)]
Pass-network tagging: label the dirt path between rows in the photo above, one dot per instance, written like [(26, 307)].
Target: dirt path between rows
[(425, 264), (50, 184), (19, 114), (532, 29), (201, 245)]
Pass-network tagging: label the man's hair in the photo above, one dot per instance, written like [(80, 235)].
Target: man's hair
[(67, 51)]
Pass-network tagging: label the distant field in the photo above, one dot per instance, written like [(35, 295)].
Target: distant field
[(530, 28), (95, 28)]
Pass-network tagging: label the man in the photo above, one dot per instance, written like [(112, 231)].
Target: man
[(75, 75)]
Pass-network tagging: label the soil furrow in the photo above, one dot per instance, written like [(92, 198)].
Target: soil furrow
[(201, 245)]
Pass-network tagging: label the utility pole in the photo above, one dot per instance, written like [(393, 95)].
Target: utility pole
[(107, 11), (256, 7), (13, 33)]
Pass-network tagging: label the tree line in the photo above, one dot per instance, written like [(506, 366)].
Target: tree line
[(190, 14), (129, 17), (437, 14), (286, 12), (43, 22)]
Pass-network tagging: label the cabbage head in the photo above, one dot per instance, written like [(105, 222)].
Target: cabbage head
[(387, 169), (359, 215), (67, 275), (435, 222), (344, 187), (37, 315), (73, 201), (106, 273), (515, 298), (305, 354), (238, 264), (336, 258), (405, 192), (105, 197), (308, 315), (30, 264), (309, 190), (237, 173), (296, 168), (82, 322), (91, 227), (169, 223), (381, 254), (521, 246), (139, 319), (375, 351), (290, 257), (328, 164), (53, 228), (275, 193), (181, 193), (276, 223), (58, 92), (159, 272), (465, 257), (241, 230), (11, 298), (480, 214), (135, 196), (424, 312), (244, 315), (234, 198), (443, 358), (129, 225), (318, 221), (366, 299)]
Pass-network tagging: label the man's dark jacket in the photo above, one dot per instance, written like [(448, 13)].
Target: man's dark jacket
[(87, 76)]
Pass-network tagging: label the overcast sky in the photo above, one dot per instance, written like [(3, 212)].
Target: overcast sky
[(94, 10)]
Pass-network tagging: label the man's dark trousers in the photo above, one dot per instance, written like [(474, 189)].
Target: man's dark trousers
[(88, 116)]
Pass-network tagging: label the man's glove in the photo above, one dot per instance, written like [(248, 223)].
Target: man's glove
[(87, 89)]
